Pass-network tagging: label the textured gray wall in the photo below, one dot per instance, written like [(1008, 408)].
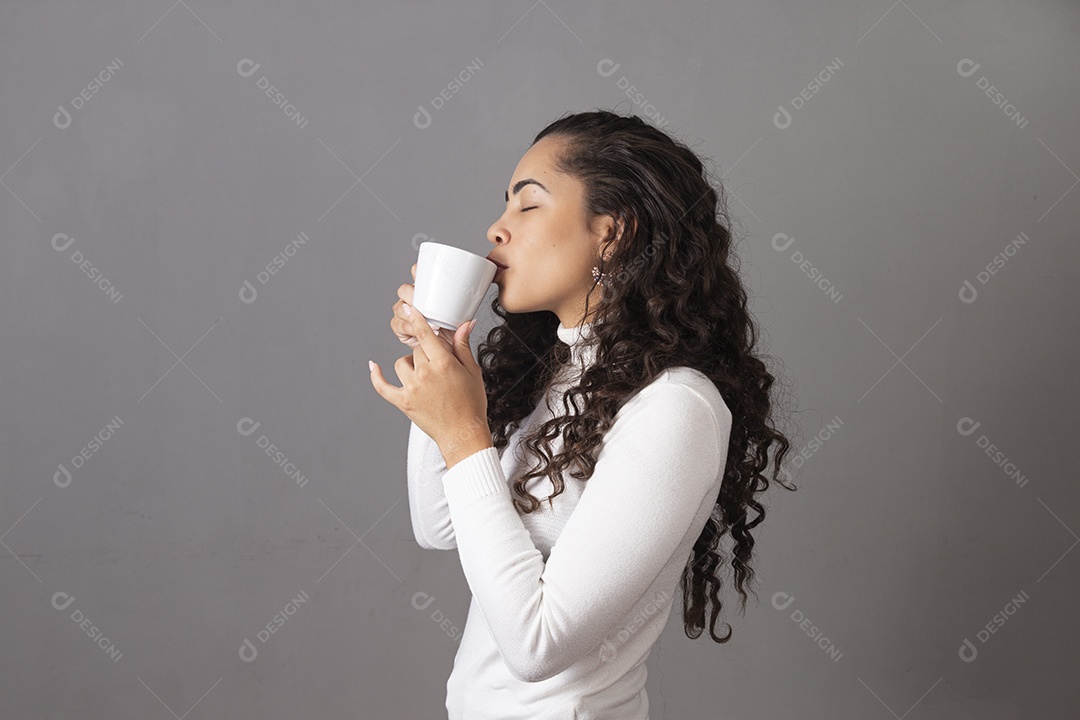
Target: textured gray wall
[(149, 180)]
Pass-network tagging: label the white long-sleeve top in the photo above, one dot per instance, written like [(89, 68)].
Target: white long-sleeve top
[(567, 601)]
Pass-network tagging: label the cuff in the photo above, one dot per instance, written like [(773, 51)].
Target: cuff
[(474, 477)]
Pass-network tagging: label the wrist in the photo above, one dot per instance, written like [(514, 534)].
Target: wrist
[(455, 452)]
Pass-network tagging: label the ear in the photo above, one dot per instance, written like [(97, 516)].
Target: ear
[(612, 232), (608, 232), (618, 230)]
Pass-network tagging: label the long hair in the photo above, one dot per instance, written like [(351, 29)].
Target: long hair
[(672, 296)]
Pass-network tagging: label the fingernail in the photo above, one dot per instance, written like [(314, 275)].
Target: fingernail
[(371, 366), (407, 309), (472, 324)]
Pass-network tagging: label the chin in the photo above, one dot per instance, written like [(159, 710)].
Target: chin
[(508, 303)]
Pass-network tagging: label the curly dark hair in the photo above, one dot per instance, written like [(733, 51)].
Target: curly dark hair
[(672, 297)]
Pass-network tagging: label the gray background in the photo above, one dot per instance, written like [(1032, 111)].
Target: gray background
[(179, 180)]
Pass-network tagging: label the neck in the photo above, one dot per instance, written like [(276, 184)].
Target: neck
[(578, 337)]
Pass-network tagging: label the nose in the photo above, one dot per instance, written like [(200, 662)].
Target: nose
[(497, 234)]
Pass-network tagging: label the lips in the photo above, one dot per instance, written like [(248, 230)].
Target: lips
[(501, 266)]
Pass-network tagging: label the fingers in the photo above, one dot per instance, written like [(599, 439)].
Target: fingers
[(407, 307), (399, 321), (403, 333), (391, 393), (400, 324), (426, 334), (402, 328)]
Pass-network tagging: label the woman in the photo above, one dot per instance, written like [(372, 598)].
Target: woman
[(650, 415)]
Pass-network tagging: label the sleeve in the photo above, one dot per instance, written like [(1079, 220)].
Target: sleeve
[(658, 461), (428, 508)]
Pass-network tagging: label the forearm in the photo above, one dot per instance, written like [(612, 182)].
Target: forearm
[(428, 509)]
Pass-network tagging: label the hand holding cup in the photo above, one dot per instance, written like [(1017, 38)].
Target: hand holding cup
[(399, 321)]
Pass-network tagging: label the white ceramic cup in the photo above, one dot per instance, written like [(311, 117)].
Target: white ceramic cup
[(450, 284)]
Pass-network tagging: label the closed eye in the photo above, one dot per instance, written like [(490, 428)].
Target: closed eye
[(529, 208)]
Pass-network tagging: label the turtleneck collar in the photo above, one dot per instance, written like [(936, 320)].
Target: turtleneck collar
[(577, 337)]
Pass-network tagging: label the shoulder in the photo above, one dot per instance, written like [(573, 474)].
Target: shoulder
[(681, 395)]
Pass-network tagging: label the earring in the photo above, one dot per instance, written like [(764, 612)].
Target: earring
[(597, 275)]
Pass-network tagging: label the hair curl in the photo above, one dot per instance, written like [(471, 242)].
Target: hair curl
[(672, 297)]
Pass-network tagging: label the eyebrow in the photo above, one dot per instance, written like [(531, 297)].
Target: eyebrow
[(522, 183)]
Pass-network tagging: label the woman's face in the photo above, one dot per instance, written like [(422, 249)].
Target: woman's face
[(544, 239)]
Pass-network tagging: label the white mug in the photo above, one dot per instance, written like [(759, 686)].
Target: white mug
[(450, 284)]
